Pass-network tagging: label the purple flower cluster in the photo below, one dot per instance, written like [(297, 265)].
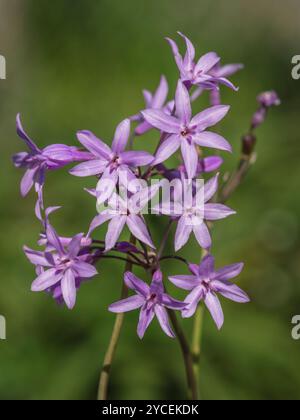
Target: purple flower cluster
[(124, 187)]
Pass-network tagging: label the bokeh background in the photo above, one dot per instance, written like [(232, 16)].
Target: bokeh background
[(82, 64)]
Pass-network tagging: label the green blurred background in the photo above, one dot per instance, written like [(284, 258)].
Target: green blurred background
[(81, 64)]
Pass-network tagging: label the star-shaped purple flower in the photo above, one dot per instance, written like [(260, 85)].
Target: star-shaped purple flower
[(113, 164), (60, 271), (152, 300), (37, 161), (205, 282), (192, 214), (121, 212), (187, 132), (198, 73)]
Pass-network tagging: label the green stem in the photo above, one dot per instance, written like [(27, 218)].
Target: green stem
[(112, 347), (187, 357), (196, 343)]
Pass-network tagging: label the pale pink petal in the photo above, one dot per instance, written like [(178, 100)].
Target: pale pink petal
[(127, 305), (183, 103), (139, 229), (45, 280), (214, 306), (211, 116), (160, 95), (163, 320), (68, 288), (115, 228), (90, 168), (207, 62), (121, 137), (162, 121), (183, 233), (167, 149), (202, 235), (96, 146), (190, 158), (213, 140), (217, 211)]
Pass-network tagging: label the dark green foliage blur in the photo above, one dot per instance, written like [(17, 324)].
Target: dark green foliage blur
[(81, 64)]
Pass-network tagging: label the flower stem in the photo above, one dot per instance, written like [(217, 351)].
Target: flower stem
[(112, 347), (196, 344), (187, 356)]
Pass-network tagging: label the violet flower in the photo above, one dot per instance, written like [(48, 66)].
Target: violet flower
[(37, 161), (128, 212), (187, 132), (198, 73), (113, 164), (60, 271), (152, 300), (218, 71), (205, 282), (192, 215), (152, 101)]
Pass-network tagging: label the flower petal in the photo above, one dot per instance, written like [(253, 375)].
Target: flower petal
[(207, 266), (45, 280), (214, 306), (137, 158), (24, 136), (161, 94), (139, 229), (90, 168), (85, 270), (167, 149), (190, 52), (146, 317), (210, 117), (106, 185), (184, 282), (229, 272), (230, 291), (171, 303), (92, 143), (27, 181), (36, 257), (177, 56), (190, 158), (163, 320), (210, 188), (202, 234), (126, 305), (182, 233), (228, 70), (115, 228), (213, 140), (217, 211), (162, 121), (68, 288), (75, 245), (99, 220), (192, 300), (207, 62), (121, 137), (134, 283), (53, 239), (183, 103)]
